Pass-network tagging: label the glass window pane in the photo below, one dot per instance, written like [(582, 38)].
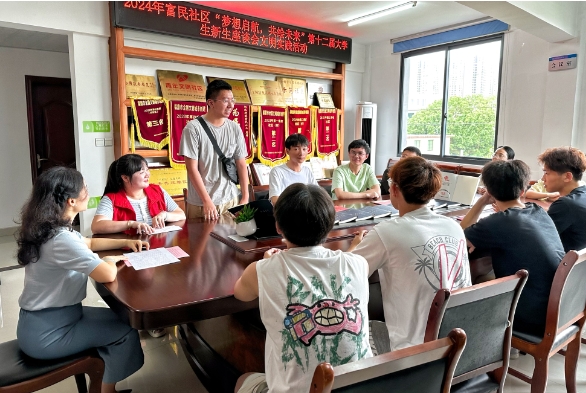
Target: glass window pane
[(423, 86), (473, 80)]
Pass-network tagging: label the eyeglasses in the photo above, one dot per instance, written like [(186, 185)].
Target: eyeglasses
[(227, 100), (357, 153)]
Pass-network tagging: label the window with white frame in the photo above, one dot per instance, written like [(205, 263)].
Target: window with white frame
[(450, 95)]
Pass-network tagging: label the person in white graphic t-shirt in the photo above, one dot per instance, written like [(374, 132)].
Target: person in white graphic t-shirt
[(417, 253), (313, 301)]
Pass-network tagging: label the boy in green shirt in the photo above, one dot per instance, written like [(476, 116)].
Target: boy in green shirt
[(355, 180)]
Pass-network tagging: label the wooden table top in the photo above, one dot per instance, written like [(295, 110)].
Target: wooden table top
[(199, 286)]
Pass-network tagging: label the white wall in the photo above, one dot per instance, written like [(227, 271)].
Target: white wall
[(385, 77), (90, 83), (536, 106), (15, 169), (90, 17)]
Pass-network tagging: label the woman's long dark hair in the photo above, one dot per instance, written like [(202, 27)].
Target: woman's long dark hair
[(42, 214), (127, 165)]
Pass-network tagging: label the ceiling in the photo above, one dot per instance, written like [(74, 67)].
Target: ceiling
[(332, 16), (25, 39)]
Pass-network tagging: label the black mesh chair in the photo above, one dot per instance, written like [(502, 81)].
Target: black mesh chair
[(423, 368), (485, 312), (563, 326), (22, 374)]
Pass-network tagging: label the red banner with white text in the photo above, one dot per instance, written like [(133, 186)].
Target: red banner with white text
[(326, 132), (241, 115), (181, 113), (150, 117), (299, 122), (271, 135)]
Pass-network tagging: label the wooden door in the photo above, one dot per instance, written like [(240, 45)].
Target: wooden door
[(50, 123)]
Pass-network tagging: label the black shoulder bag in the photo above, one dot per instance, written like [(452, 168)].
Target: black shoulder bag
[(229, 163)]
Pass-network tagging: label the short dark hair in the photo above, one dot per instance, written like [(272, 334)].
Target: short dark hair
[(305, 214), (359, 144), (412, 149), (126, 165), (418, 179), (296, 140), (506, 180), (564, 159), (214, 88), (509, 150)]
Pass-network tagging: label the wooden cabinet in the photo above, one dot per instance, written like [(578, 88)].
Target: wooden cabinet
[(120, 104)]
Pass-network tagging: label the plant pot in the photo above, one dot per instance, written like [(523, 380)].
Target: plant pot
[(246, 228)]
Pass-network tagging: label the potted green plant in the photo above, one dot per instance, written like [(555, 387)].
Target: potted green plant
[(245, 224)]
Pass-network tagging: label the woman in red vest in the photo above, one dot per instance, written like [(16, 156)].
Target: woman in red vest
[(131, 203)]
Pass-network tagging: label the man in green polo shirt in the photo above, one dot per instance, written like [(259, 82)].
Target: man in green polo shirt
[(355, 180)]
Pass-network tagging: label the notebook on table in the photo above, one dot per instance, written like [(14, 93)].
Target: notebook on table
[(457, 188)]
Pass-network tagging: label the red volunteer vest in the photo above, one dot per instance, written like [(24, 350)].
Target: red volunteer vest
[(123, 210)]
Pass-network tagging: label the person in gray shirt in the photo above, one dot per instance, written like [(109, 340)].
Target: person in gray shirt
[(58, 260), (293, 171), (210, 192)]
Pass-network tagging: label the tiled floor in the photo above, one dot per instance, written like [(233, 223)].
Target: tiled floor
[(166, 369)]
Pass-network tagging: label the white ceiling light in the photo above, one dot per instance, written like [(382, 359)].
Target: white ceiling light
[(381, 13)]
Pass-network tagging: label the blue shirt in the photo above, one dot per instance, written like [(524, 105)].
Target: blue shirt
[(59, 277)]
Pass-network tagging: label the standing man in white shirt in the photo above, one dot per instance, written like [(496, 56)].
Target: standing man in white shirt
[(210, 191), (293, 171)]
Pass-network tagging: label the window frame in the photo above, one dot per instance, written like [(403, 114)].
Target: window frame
[(446, 48)]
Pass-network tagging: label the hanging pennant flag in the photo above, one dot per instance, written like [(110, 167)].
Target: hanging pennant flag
[(299, 122), (326, 131), (150, 117), (271, 135), (181, 113), (241, 115)]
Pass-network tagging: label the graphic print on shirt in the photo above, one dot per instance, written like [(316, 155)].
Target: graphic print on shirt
[(316, 329), (440, 261)]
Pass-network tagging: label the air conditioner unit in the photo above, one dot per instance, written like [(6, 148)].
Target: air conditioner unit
[(365, 127)]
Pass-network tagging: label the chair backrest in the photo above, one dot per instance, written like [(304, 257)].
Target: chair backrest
[(567, 298), (422, 368), (485, 312), (256, 193)]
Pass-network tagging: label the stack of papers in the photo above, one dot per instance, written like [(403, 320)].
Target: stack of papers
[(153, 258), (169, 228)]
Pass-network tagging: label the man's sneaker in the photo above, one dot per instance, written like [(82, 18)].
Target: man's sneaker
[(156, 333)]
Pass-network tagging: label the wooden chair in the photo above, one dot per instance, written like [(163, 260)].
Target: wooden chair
[(563, 327), (427, 367), (485, 312), (22, 374), (256, 193)]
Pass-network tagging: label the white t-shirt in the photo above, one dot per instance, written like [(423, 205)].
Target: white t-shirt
[(314, 304), (417, 255), (282, 177), (196, 145)]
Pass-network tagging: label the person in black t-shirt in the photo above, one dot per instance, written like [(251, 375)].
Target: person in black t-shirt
[(409, 151), (562, 171), (518, 236)]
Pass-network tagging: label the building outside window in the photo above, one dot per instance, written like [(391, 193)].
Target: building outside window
[(450, 98)]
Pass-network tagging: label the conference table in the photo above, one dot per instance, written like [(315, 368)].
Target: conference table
[(221, 336)]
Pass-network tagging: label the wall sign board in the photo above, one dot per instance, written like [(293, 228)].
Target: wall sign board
[(560, 63), (211, 24)]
